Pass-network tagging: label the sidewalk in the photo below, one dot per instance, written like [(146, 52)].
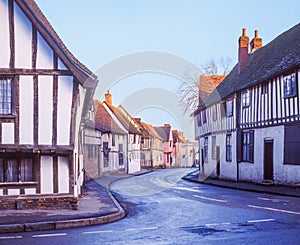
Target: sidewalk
[(95, 206), (261, 187)]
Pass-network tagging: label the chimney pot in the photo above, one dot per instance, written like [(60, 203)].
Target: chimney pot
[(108, 98), (256, 33), (244, 32), (256, 42)]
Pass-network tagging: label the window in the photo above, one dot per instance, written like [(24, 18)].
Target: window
[(198, 118), (246, 98), (113, 140), (206, 149), (5, 96), (292, 144), (105, 154), (214, 147), (90, 149), (228, 148), (16, 170), (290, 88), (203, 114), (214, 112), (248, 146), (121, 158), (229, 108)]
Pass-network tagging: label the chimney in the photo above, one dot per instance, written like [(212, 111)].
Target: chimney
[(243, 51), (256, 42), (138, 119), (108, 98)]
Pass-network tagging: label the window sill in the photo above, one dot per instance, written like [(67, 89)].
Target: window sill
[(3, 184)]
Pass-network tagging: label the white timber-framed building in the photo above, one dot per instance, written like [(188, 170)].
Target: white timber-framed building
[(249, 127)]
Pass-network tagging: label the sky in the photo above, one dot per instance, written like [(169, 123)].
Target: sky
[(141, 49)]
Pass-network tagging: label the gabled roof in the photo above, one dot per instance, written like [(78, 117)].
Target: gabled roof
[(164, 132), (126, 120), (103, 120), (85, 77), (151, 130), (280, 55)]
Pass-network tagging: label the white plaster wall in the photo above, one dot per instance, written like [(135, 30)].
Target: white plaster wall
[(63, 175), (8, 133), (45, 92), (23, 36), (254, 172), (61, 65), (13, 192), (26, 110), (44, 58), (1, 192), (30, 191), (4, 35), (228, 169), (46, 175), (134, 166), (65, 93)]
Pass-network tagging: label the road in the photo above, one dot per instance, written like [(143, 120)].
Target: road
[(164, 209)]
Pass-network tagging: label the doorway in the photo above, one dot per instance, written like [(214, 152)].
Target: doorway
[(268, 160), (218, 161)]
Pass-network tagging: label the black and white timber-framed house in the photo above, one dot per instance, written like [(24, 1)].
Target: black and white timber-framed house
[(45, 92), (249, 126)]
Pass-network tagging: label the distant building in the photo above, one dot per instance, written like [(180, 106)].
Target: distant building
[(124, 119), (151, 146), (105, 144), (248, 127), (165, 133)]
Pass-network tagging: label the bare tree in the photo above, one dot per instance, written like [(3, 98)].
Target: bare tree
[(190, 87)]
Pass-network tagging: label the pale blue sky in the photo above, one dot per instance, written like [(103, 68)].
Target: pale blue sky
[(97, 32)]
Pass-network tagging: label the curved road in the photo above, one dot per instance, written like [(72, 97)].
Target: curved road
[(163, 209)]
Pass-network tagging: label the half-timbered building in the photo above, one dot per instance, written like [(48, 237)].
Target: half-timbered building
[(126, 121), (165, 133), (44, 94), (249, 127)]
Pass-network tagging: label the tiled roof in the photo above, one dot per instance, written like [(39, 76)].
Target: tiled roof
[(126, 121), (278, 56), (164, 132), (81, 72), (151, 130), (103, 120)]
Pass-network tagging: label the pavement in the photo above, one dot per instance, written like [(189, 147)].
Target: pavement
[(263, 187), (98, 206), (95, 206)]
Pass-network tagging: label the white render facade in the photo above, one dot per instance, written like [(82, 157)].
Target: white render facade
[(250, 132)]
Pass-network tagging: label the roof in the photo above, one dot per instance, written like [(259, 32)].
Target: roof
[(280, 55), (124, 117), (103, 120), (36, 16), (164, 132), (151, 130)]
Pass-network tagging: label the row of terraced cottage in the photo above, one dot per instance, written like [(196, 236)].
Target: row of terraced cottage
[(48, 138), (248, 126), (114, 141)]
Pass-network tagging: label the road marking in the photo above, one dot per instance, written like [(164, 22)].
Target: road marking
[(96, 232), (10, 237), (273, 200), (50, 235), (142, 229), (274, 209), (210, 199), (185, 189), (260, 220)]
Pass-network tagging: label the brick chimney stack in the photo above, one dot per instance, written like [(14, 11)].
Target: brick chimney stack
[(108, 98), (243, 55), (256, 42)]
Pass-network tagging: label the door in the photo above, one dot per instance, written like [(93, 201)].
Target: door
[(268, 160), (218, 160), (202, 161)]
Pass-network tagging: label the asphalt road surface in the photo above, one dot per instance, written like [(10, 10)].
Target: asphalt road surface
[(164, 209)]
